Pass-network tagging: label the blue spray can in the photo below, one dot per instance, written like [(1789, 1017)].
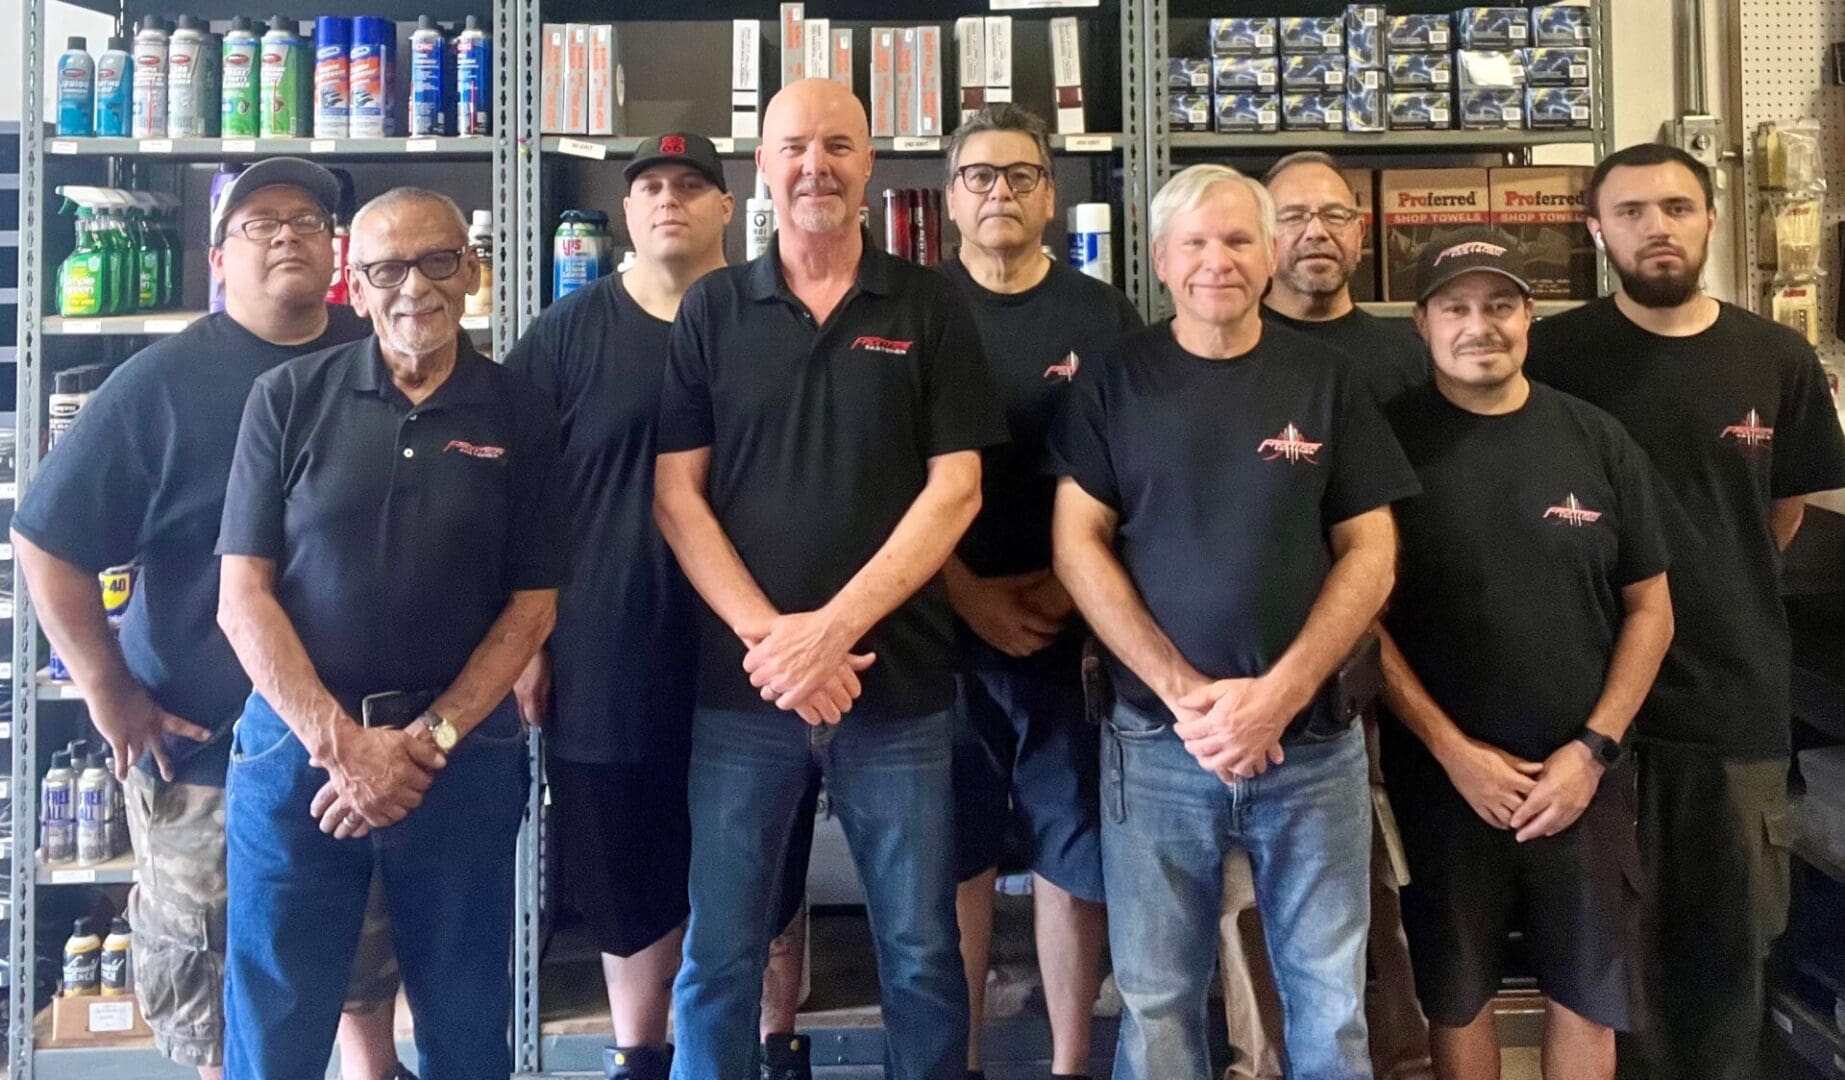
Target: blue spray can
[(76, 89), (473, 80), (332, 77), (368, 77), (428, 77), (115, 87)]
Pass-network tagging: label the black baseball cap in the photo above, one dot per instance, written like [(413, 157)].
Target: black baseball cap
[(683, 149), (1466, 252), (321, 186)]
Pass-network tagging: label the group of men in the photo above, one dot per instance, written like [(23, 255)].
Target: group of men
[(731, 533)]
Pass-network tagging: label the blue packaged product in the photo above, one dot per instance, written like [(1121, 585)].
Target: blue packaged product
[(1551, 65), (1489, 69), (1493, 27), (1310, 33), (1315, 111), (1243, 36), (369, 77), (1560, 24), (1188, 73), (1421, 71), (332, 77), (1231, 74), (1188, 112), (1490, 110), (1417, 33), (1364, 35), (76, 89), (1364, 100), (1421, 110), (473, 80), (1552, 107), (1321, 72), (428, 79), (1238, 113), (114, 89)]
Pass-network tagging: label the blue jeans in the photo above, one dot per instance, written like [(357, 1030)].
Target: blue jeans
[(888, 780), (297, 900), (1166, 826)]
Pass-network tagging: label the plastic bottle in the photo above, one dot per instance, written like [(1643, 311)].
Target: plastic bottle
[(186, 100), (115, 89), (83, 279), (147, 262), (473, 80), (76, 89), (92, 814), (57, 819), (428, 57), (369, 77), (758, 220), (115, 971), (575, 260), (480, 238), (282, 113), (240, 90), (598, 221), (332, 78), (123, 271), (82, 962), (150, 82), (1091, 245), (172, 255)]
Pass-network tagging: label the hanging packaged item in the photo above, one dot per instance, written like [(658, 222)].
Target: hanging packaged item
[(1795, 304), (1796, 235), (1787, 155)]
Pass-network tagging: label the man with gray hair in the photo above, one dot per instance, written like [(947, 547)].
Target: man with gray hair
[(1223, 522), (389, 563)]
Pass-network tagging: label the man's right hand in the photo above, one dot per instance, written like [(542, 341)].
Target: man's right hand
[(380, 774), (997, 609), (533, 690), (1492, 781), (132, 724)]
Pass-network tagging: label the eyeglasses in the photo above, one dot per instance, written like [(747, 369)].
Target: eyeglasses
[(1021, 176), (266, 228), (390, 273), (1333, 217)]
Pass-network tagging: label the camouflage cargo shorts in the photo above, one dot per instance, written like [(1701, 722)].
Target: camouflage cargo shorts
[(177, 911)]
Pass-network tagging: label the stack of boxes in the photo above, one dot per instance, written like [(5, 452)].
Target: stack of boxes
[(1541, 208), (582, 92)]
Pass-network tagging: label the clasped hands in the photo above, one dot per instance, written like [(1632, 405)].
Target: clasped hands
[(375, 777), (804, 664), (1233, 727)]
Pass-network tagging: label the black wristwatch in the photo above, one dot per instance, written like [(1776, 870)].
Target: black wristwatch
[(1607, 751)]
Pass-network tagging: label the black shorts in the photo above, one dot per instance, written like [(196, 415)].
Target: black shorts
[(1575, 895), (624, 840)]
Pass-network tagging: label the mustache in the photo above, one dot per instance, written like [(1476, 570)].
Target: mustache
[(818, 186), (1662, 248), (1494, 344)]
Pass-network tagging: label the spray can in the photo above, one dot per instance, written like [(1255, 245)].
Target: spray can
[(115, 88), (758, 220), (219, 180), (211, 87), (186, 100), (82, 962), (115, 971), (1091, 245), (281, 114), (57, 819), (92, 814), (76, 89), (240, 92), (480, 238), (575, 260), (118, 809), (332, 81), (369, 77), (150, 82), (473, 80), (428, 53)]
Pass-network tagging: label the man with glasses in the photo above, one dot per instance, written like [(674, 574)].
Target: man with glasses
[(1025, 760), (140, 479), (390, 563)]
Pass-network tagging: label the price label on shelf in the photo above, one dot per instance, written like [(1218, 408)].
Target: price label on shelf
[(108, 1017), (240, 146), (73, 877), (476, 322), (156, 146), (724, 146), (9, 490), (913, 143), (6, 732), (6, 555), (1040, 5), (83, 326), (583, 149), (165, 326), (322, 146), (63, 146), (421, 146), (1089, 144)]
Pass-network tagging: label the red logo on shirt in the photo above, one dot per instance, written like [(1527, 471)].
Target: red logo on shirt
[(1064, 369), (471, 450), (1290, 444), (672, 144), (1572, 512), (883, 345), (1751, 433)]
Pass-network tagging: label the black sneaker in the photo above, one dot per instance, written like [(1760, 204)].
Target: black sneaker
[(785, 1057), (637, 1062)]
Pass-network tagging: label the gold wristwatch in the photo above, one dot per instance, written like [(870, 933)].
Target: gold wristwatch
[(440, 730)]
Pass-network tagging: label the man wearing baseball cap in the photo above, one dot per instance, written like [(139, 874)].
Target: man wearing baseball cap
[(141, 480), (1529, 620)]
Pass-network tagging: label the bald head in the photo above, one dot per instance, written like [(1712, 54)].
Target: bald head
[(816, 155)]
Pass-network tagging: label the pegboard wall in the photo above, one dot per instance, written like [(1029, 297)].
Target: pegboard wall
[(1787, 75)]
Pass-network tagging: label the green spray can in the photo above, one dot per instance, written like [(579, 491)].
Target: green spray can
[(284, 113), (83, 279), (240, 88)]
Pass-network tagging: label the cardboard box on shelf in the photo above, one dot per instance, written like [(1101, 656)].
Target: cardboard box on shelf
[(1552, 107), (97, 1019), (1418, 33), (1313, 110), (1364, 35), (745, 78), (1560, 24), (1557, 66), (999, 58), (929, 81), (1365, 105), (1245, 74), (1490, 110), (1320, 73), (1541, 208), (1067, 75), (842, 58), (1421, 110), (1247, 113), (608, 90), (1493, 27), (1188, 111), (883, 82), (909, 85), (1424, 206), (1421, 71), (817, 34), (971, 64), (1243, 36), (1311, 33), (551, 78), (794, 43), (576, 78)]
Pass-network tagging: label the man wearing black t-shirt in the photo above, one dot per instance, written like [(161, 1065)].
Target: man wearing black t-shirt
[(1025, 756), (1529, 619), (1734, 413), (1223, 523), (820, 431)]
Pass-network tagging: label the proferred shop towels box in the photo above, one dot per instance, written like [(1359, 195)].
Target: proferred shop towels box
[(1542, 209), (745, 78), (1424, 206)]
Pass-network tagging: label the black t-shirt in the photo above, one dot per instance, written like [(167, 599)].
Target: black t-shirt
[(1508, 597), (140, 479), (1035, 341), (1388, 356), (625, 648), (820, 439), (1732, 418), (1226, 476), (399, 532)]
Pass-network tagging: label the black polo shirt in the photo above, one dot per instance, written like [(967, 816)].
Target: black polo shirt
[(1226, 476), (1387, 354), (820, 438), (624, 653), (399, 532), (140, 479)]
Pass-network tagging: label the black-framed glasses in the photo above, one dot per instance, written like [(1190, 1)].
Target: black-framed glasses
[(266, 228), (390, 273), (1333, 217), (1022, 177)]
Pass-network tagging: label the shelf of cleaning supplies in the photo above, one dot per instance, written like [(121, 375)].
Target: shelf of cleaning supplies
[(1382, 141), (156, 323), (604, 147), (450, 148)]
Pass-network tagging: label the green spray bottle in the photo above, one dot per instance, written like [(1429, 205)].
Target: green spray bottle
[(84, 283), (147, 262), (116, 240)]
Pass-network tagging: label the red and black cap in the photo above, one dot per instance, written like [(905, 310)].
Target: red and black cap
[(683, 149), (1466, 252)]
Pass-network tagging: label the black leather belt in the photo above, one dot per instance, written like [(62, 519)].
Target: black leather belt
[(391, 708)]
